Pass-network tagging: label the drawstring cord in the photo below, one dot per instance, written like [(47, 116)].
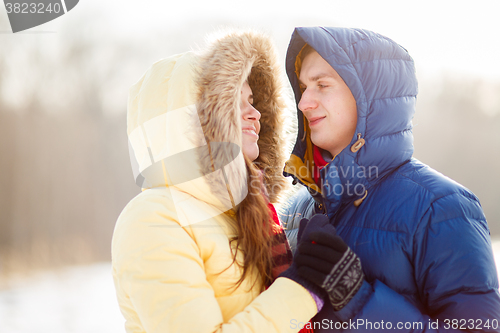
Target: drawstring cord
[(359, 201), (358, 144)]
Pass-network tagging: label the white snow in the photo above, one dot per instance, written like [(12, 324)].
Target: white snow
[(73, 300)]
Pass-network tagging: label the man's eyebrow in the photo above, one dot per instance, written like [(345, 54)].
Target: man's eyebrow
[(318, 77)]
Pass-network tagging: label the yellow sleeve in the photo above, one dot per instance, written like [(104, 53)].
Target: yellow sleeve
[(162, 286)]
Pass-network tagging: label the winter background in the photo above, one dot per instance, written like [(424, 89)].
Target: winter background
[(64, 166)]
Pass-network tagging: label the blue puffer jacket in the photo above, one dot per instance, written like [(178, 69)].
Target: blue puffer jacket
[(423, 239)]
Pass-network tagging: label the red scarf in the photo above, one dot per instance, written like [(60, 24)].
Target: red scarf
[(319, 163), (282, 255)]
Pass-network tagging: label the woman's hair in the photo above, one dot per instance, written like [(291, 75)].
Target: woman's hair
[(221, 70), (255, 229)]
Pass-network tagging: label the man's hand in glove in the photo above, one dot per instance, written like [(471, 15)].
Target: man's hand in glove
[(323, 258)]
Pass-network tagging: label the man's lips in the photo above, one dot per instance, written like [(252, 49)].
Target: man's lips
[(315, 120)]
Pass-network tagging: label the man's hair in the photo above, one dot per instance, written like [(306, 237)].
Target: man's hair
[(306, 50)]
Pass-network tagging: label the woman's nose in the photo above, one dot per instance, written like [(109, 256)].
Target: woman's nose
[(251, 113)]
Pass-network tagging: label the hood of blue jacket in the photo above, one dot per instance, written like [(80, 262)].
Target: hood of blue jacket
[(381, 76)]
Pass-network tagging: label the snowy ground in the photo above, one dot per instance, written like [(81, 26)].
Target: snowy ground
[(73, 300)]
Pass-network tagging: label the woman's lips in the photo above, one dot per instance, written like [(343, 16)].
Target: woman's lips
[(315, 120), (250, 132)]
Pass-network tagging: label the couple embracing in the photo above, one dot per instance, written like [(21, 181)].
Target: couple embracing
[(374, 237)]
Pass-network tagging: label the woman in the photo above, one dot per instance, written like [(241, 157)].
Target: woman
[(193, 251)]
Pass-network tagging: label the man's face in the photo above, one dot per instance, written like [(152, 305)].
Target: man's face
[(328, 104)]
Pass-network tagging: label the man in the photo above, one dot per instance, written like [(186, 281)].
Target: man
[(422, 239)]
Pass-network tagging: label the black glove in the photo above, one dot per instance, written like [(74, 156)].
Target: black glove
[(323, 258), (293, 274)]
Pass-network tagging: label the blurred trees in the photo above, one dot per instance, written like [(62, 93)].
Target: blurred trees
[(457, 132), (65, 171)]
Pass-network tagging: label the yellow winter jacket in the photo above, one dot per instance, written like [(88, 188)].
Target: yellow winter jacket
[(172, 260)]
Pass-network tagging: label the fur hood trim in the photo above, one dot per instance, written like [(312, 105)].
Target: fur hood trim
[(184, 123), (223, 69)]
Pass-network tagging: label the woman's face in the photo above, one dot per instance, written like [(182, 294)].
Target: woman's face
[(250, 125)]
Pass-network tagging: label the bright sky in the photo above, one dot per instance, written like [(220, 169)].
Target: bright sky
[(440, 35), (452, 35), (457, 36)]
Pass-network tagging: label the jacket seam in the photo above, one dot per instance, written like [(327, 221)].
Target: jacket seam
[(373, 60), (394, 133), (461, 290), (453, 218), (431, 207), (429, 191), (363, 39), (393, 97), (384, 59), (425, 188), (466, 195), (381, 99), (378, 229)]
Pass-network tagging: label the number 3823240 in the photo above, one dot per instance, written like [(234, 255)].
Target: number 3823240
[(32, 8), (470, 324)]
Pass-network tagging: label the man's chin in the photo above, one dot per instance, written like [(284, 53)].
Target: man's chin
[(317, 141), (322, 144)]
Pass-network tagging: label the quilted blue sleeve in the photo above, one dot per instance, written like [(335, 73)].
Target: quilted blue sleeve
[(455, 273), (300, 205)]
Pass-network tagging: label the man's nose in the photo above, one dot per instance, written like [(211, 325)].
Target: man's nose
[(307, 101)]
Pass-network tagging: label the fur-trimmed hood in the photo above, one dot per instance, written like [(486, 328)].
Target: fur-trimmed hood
[(184, 123)]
